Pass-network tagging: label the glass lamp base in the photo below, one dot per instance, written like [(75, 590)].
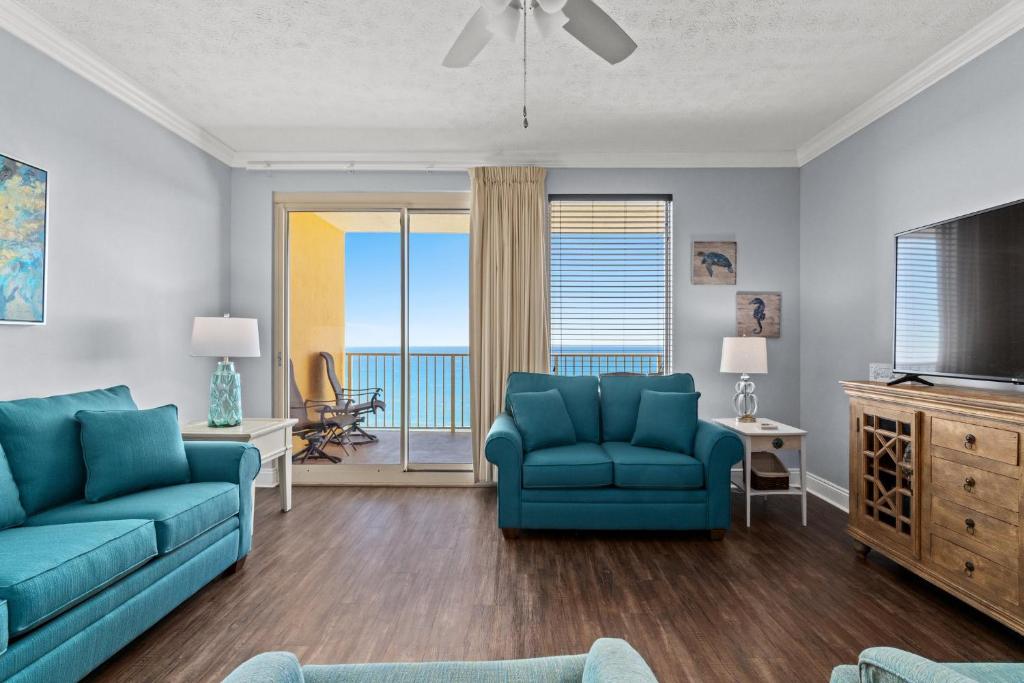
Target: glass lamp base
[(225, 396), (745, 402)]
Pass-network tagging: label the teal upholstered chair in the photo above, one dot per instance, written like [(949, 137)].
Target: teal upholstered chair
[(603, 481), (80, 579), (889, 665), (609, 661)]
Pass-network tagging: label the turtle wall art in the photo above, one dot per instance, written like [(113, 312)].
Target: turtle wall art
[(713, 263), (22, 243), (759, 314)]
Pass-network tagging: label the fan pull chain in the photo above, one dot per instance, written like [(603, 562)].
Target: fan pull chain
[(526, 17)]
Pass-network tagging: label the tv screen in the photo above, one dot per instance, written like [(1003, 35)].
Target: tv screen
[(960, 297)]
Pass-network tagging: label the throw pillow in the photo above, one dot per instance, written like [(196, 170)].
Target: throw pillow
[(667, 421), (131, 450), (11, 512), (542, 419)]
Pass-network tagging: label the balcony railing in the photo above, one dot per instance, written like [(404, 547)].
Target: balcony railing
[(439, 382)]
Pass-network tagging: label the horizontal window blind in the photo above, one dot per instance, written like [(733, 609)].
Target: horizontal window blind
[(611, 289)]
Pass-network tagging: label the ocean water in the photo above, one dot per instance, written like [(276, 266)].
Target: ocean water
[(439, 378)]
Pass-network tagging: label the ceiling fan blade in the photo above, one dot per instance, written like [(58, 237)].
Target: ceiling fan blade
[(471, 41), (548, 22), (551, 6), (590, 25), (506, 22)]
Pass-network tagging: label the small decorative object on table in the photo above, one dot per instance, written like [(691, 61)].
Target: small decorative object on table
[(225, 337), (745, 355)]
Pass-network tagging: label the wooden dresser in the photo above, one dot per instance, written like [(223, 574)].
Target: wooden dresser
[(935, 484)]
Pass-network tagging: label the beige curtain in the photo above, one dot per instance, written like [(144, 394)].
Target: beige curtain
[(508, 293)]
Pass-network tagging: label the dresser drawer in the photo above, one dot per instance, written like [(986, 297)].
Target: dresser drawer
[(984, 442), (972, 571), (967, 484), (991, 537)]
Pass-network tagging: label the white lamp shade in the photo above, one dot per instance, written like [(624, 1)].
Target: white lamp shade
[(226, 337), (745, 355)]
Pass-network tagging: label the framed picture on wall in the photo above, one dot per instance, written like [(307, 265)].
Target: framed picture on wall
[(759, 314), (22, 243), (713, 263)]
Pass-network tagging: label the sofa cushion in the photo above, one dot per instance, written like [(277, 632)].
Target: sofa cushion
[(578, 466), (41, 438), (620, 400), (579, 394), (131, 450), (666, 420), (46, 570), (542, 419), (651, 468), (180, 513), (11, 512)]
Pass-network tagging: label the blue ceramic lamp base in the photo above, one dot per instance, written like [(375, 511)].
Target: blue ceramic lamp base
[(225, 396)]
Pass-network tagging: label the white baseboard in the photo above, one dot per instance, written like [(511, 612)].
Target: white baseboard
[(833, 494), (267, 478)]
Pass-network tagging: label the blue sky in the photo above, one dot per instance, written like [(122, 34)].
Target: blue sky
[(438, 289)]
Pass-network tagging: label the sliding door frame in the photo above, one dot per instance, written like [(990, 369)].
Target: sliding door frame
[(403, 473)]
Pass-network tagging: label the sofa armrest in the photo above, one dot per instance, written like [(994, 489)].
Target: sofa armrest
[(880, 664), (3, 626), (233, 462), (269, 667), (718, 449), (611, 660), (504, 448)]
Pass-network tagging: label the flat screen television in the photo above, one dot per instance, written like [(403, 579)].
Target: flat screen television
[(960, 297)]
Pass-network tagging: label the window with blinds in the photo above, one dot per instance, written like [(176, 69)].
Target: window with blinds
[(611, 284)]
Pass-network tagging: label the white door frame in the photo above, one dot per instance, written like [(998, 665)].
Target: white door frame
[(399, 474)]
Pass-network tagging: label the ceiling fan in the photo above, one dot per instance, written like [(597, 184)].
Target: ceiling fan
[(582, 19)]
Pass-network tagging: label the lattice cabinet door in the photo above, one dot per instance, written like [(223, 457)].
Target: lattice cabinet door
[(887, 462)]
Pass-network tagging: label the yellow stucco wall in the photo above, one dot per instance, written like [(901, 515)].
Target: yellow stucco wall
[(316, 251)]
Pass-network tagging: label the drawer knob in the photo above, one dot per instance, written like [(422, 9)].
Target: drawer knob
[(969, 441), (969, 568), (969, 524), (778, 443), (969, 484)]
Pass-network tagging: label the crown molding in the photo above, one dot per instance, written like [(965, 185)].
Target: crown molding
[(43, 36), (460, 161), (986, 35)]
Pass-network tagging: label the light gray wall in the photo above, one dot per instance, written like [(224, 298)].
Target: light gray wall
[(758, 207), (958, 147), (138, 241)]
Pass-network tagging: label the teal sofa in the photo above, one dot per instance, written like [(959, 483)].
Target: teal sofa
[(602, 481), (889, 665), (609, 661), (80, 580)]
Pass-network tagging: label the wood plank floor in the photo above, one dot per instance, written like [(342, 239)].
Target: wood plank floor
[(383, 574)]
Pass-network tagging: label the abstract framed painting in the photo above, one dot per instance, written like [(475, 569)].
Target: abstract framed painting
[(759, 314), (713, 263), (23, 242)]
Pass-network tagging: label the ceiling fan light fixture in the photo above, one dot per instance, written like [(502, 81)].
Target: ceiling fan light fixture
[(549, 22), (506, 22)]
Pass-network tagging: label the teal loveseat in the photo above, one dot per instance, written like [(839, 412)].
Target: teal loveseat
[(603, 481), (610, 660), (80, 580), (889, 665)]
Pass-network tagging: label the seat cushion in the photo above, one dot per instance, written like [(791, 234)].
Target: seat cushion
[(666, 420), (651, 468), (581, 465), (542, 419), (11, 512), (46, 570), (579, 394), (620, 400), (180, 513), (131, 450), (41, 438)]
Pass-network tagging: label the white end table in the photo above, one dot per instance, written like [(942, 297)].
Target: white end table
[(757, 438), (272, 436)]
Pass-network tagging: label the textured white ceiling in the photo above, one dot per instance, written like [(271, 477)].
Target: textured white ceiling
[(344, 76)]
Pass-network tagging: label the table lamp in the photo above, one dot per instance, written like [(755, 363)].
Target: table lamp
[(223, 338), (746, 356)]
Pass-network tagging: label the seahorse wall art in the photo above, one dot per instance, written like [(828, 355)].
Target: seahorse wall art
[(713, 263), (759, 314), (22, 242)]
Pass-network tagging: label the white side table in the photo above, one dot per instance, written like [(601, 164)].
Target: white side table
[(272, 436), (756, 438)]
